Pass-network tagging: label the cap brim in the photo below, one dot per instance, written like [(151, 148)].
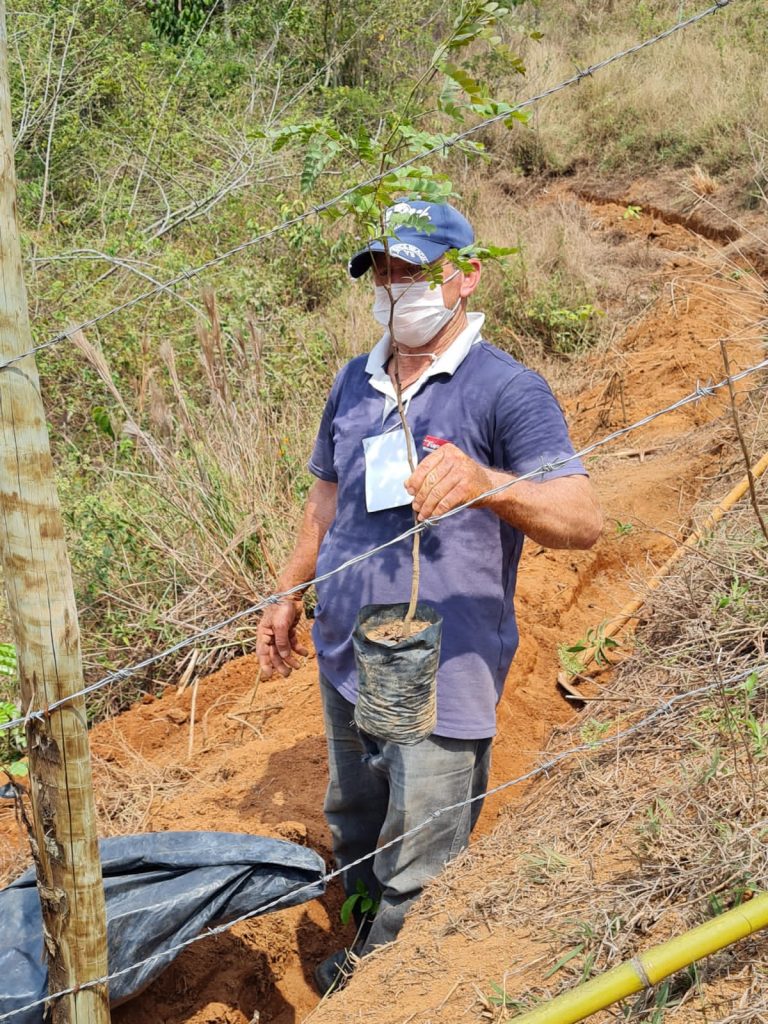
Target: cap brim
[(419, 255)]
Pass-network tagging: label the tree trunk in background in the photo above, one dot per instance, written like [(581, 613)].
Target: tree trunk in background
[(42, 609)]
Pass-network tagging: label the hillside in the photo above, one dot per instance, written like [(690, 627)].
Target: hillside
[(256, 759), (181, 428)]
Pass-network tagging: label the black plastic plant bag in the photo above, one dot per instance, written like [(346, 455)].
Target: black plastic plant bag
[(161, 888), (397, 698)]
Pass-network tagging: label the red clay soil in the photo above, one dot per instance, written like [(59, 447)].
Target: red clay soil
[(256, 760)]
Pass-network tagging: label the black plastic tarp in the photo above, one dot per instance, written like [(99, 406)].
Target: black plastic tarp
[(161, 888)]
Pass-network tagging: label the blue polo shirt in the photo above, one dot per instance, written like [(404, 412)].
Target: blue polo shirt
[(499, 413)]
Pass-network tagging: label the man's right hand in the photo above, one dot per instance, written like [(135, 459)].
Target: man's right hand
[(277, 645)]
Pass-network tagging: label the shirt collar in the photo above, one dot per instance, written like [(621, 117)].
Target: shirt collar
[(447, 362)]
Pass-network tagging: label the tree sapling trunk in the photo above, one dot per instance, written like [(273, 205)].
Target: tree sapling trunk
[(410, 448)]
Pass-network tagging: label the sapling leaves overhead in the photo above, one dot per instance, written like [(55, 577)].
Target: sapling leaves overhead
[(415, 133)]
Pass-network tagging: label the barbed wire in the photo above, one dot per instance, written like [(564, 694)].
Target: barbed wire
[(700, 392), (666, 707), (316, 210)]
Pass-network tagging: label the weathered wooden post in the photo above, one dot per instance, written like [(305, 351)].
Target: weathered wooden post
[(42, 607)]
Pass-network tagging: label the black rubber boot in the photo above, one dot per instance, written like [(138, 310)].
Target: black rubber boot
[(335, 971)]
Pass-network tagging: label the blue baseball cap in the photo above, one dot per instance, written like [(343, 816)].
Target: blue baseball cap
[(445, 229)]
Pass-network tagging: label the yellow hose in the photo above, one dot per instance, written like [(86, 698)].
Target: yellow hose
[(630, 610), (651, 967)]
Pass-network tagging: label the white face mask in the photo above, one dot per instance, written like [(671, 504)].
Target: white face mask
[(419, 311)]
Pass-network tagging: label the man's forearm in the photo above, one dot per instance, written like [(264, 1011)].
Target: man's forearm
[(319, 513), (560, 513)]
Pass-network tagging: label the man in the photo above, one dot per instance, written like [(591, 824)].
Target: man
[(478, 419)]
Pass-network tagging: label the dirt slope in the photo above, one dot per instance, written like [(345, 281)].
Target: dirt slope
[(256, 761)]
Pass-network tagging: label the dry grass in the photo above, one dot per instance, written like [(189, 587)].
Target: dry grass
[(213, 488), (690, 99), (125, 786), (702, 183), (124, 791), (567, 261)]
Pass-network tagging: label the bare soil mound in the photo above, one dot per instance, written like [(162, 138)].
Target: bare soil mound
[(255, 759)]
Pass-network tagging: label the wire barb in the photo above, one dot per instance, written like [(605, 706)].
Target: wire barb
[(704, 390)]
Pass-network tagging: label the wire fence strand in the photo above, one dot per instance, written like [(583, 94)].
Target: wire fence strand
[(666, 707), (316, 210), (700, 392)]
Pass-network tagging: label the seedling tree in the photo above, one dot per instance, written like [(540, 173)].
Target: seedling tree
[(445, 94)]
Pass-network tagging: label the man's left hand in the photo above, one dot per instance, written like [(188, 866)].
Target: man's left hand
[(445, 479)]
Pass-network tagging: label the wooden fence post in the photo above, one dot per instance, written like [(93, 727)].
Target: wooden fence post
[(42, 608)]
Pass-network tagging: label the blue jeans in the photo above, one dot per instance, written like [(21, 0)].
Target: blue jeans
[(378, 790)]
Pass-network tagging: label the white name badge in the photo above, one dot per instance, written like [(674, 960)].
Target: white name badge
[(386, 470)]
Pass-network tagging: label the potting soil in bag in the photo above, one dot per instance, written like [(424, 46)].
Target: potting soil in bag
[(161, 888), (397, 697)]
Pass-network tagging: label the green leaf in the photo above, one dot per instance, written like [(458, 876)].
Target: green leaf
[(363, 144), (298, 132), (8, 662), (519, 116), (568, 661), (101, 418), (495, 108), (471, 86), (319, 154), (347, 907), (446, 101), (366, 209), (409, 220), (564, 960), (332, 214), (481, 252)]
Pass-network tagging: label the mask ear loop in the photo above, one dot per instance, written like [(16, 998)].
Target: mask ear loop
[(418, 355)]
